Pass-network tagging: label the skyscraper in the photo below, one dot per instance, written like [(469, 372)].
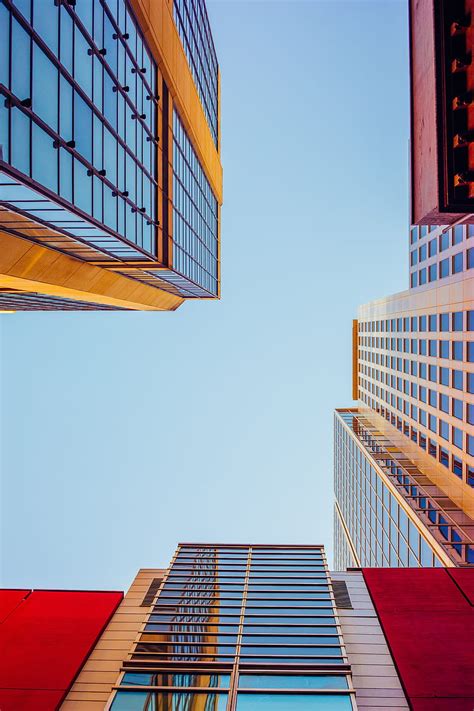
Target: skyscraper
[(410, 439), (110, 173), (246, 627), (404, 457)]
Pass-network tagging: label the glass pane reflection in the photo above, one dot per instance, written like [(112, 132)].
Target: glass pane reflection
[(295, 681), (163, 679), (163, 701), (293, 702)]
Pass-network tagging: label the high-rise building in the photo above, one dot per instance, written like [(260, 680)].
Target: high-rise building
[(442, 111), (246, 628), (110, 173), (404, 457), (410, 440)]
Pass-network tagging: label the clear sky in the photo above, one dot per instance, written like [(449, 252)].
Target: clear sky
[(126, 433)]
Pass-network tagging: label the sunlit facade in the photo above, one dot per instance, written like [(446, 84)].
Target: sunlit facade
[(412, 429), (388, 512), (110, 175), (404, 456)]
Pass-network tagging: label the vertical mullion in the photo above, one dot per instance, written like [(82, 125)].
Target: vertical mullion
[(234, 679), (9, 129), (30, 122)]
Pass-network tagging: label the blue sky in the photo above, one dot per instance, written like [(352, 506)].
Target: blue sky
[(126, 433)]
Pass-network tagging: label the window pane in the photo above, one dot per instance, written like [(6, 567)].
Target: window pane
[(45, 159), (286, 639), (4, 45), (290, 616), (293, 651), (20, 70), (293, 702), (164, 679), (45, 22), (20, 141), (143, 701), (45, 88), (274, 681), (83, 127), (296, 629)]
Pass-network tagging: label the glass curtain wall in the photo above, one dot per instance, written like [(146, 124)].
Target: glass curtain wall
[(240, 627)]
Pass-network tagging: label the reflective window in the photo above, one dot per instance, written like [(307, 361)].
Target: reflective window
[(145, 701), (444, 268), (195, 33), (93, 124), (457, 321), (195, 217), (381, 531), (279, 650), (293, 702), (457, 263), (290, 629), (295, 681), (184, 679), (280, 639)]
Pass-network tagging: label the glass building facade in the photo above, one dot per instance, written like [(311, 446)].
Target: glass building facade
[(193, 26), (87, 166), (195, 215), (388, 512), (240, 627)]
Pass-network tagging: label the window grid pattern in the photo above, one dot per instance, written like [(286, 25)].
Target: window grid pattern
[(237, 623), (343, 556), (192, 22), (382, 532), (195, 217), (418, 373), (440, 254), (79, 119)]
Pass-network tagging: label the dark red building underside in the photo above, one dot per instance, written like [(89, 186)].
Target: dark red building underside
[(427, 615), (45, 638)]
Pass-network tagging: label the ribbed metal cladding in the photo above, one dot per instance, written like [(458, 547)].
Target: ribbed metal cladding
[(151, 592), (341, 595)]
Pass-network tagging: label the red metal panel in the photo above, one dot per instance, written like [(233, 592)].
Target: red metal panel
[(429, 626), (464, 579), (9, 599), (45, 641), (29, 699)]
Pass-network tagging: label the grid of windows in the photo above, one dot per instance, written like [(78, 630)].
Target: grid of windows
[(195, 216), (238, 627), (418, 372), (382, 532), (437, 253), (78, 121), (191, 19), (343, 555)]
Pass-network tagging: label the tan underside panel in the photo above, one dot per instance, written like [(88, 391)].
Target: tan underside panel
[(28, 267)]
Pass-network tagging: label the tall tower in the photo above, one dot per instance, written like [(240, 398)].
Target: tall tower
[(404, 456)]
